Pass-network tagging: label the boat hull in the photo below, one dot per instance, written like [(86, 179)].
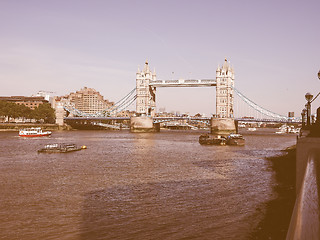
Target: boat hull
[(235, 140), (212, 140), (33, 132), (35, 135), (58, 150)]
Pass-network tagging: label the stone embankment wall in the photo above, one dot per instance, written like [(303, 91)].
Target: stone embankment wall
[(305, 220), (18, 126)]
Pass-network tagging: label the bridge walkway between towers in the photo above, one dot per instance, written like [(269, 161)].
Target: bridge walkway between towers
[(184, 83)]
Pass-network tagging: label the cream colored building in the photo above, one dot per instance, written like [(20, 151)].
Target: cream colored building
[(86, 100), (89, 100), (224, 91)]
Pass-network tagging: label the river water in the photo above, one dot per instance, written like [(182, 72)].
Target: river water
[(135, 186)]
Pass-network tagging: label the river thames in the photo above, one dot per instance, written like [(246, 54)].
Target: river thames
[(135, 186)]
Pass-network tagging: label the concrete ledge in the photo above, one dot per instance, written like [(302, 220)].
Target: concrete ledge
[(223, 126), (305, 146), (142, 124), (305, 221), (18, 126)]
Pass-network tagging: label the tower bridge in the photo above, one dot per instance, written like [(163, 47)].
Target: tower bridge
[(144, 95), (147, 83)]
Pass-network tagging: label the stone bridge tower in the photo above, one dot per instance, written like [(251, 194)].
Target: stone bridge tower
[(223, 123), (224, 91), (146, 94)]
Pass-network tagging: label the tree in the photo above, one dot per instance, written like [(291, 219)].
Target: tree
[(8, 109), (13, 110), (24, 112), (45, 112)]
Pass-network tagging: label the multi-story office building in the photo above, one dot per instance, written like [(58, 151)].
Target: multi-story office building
[(89, 100), (86, 100), (30, 102)]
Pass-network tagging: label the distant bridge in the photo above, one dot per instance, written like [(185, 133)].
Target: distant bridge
[(144, 97)]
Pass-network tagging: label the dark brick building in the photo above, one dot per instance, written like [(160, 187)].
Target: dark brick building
[(30, 102)]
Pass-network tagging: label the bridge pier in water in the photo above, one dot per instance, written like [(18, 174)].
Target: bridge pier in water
[(143, 124), (223, 126)]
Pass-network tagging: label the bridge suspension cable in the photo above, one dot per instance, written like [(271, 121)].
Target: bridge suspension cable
[(118, 106), (123, 105), (259, 108)]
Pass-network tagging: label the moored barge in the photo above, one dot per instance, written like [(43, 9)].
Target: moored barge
[(231, 139), (206, 139), (235, 139), (60, 148)]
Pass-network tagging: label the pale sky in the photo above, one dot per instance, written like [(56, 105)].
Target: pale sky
[(64, 45)]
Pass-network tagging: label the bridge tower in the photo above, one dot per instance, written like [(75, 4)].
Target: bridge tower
[(224, 91), (145, 102), (223, 123), (146, 94)]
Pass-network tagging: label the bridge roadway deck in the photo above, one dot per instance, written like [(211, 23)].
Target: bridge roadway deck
[(184, 83), (160, 119), (128, 118)]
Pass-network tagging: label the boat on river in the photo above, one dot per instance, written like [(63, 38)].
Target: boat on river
[(60, 148), (33, 132), (288, 129), (206, 139), (235, 139)]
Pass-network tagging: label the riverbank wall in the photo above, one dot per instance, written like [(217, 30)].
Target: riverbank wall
[(18, 126)]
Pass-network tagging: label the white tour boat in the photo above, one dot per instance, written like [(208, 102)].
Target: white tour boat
[(33, 132)]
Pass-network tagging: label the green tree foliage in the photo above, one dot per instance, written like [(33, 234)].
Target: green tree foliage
[(12, 110), (44, 112)]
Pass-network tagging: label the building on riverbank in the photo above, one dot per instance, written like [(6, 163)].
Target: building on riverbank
[(30, 102), (89, 100), (86, 100)]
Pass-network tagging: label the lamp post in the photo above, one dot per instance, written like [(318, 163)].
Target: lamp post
[(308, 97), (303, 114), (318, 109)]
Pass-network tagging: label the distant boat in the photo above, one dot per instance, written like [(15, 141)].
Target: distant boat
[(288, 129), (33, 132), (60, 148), (206, 139)]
